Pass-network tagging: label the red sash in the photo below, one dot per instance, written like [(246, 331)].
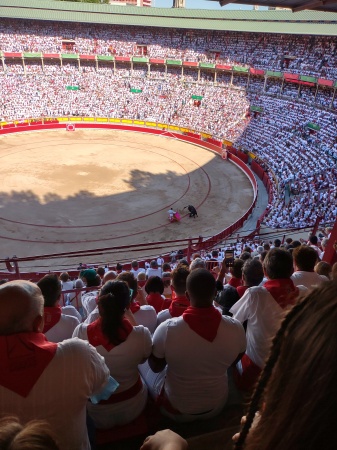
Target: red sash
[(283, 291), (241, 290), (155, 300), (125, 395), (134, 307), (24, 357), (203, 321), (96, 337), (178, 306), (52, 315), (235, 282)]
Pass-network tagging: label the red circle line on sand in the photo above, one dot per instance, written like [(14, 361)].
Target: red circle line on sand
[(121, 221), (124, 236)]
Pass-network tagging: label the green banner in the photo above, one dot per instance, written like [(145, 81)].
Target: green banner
[(256, 108), (313, 126), (240, 69), (197, 97), (270, 73), (308, 79), (72, 88), (206, 65), (136, 91)]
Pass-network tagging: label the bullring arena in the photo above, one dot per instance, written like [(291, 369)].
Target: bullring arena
[(93, 188)]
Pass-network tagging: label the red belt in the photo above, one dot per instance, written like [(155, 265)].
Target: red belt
[(125, 395)]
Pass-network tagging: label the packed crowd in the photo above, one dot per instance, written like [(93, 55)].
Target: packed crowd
[(303, 162), (137, 332), (304, 54), (220, 113)]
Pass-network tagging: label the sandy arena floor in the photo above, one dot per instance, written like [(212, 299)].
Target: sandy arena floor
[(66, 191)]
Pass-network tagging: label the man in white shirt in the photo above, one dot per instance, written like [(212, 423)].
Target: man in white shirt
[(135, 269), (153, 270), (41, 380), (194, 384), (57, 325), (264, 307), (305, 258)]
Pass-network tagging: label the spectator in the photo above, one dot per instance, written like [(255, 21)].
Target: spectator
[(72, 365), (57, 325), (179, 301), (123, 347), (154, 288), (305, 258), (264, 307), (195, 383)]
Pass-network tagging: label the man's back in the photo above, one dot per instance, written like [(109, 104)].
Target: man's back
[(60, 394), (196, 379)]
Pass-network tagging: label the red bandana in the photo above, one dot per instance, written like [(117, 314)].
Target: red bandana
[(203, 321), (235, 282), (178, 306), (24, 357), (241, 290), (155, 300), (134, 307), (96, 337), (283, 291), (52, 315)]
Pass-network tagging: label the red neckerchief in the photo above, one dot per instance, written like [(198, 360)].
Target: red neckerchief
[(178, 306), (24, 357), (203, 321), (52, 315), (155, 300), (96, 337), (241, 290), (134, 307), (235, 282), (283, 291)]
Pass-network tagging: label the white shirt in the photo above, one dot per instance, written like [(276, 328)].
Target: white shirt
[(307, 279), (153, 272), (63, 329), (264, 316), (89, 301), (71, 311), (60, 395), (147, 317), (196, 378)]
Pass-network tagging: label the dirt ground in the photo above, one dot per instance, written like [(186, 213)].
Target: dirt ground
[(67, 191)]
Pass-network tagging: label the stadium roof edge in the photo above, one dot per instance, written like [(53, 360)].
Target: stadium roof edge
[(285, 22)]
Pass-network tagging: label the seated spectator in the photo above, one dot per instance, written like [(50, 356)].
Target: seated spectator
[(135, 269), (67, 285), (166, 277), (264, 307), (153, 270), (194, 385), (100, 271), (291, 371), (124, 347), (34, 435), (90, 279), (166, 267), (313, 242), (323, 268), (154, 288), (305, 258), (252, 275), (179, 302), (197, 263), (142, 313), (51, 378), (57, 325)]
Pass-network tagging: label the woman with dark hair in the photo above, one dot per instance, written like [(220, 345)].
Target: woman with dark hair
[(124, 347), (154, 288)]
